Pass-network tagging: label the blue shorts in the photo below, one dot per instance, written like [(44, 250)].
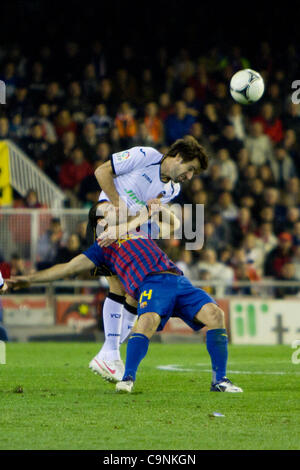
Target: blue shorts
[(169, 295)]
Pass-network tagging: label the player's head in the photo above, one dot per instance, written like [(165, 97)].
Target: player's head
[(186, 158)]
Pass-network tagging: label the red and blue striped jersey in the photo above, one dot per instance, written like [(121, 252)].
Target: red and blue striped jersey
[(132, 259)]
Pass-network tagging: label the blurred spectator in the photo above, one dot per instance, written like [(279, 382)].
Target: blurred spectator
[(258, 145), (74, 170), (226, 206), (240, 226), (237, 120), (126, 86), (211, 123), (287, 273), (64, 123), (229, 141), (72, 249), (4, 128), (42, 118), (142, 137), (106, 96), (126, 123), (35, 145), (53, 97), (31, 200), (267, 240), (279, 256), (177, 125), (185, 263), (253, 251), (165, 106), (218, 271), (17, 265), (49, 243), (272, 125), (153, 123), (193, 105), (282, 166), (76, 103), (101, 120), (81, 232), (228, 168), (102, 154), (88, 141), (89, 189), (20, 102)]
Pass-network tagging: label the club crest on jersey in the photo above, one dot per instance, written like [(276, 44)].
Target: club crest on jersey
[(121, 156)]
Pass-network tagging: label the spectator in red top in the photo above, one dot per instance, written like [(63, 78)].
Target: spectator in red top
[(74, 170), (272, 126), (64, 123), (279, 256)]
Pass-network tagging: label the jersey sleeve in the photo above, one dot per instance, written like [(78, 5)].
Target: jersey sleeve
[(95, 254), (1, 280), (134, 158)]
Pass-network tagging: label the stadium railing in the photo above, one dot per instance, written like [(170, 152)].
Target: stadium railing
[(26, 175)]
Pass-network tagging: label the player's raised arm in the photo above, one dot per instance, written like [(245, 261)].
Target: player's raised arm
[(59, 271), (105, 177)]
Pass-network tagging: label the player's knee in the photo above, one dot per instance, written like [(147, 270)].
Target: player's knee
[(215, 317), (147, 324)]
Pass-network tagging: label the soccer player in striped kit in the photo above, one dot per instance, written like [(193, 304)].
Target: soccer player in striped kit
[(160, 288), (136, 176)]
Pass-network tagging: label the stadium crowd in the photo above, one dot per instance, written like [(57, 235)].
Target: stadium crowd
[(71, 111)]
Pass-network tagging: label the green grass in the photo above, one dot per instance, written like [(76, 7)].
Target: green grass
[(49, 399)]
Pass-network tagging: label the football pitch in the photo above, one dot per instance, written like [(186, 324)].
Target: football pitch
[(49, 399)]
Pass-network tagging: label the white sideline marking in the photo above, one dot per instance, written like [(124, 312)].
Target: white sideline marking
[(178, 368)]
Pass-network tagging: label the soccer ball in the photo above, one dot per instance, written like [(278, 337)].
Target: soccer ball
[(247, 86)]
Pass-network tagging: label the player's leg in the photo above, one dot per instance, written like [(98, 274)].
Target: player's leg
[(137, 348), (107, 362), (199, 309), (129, 317), (154, 309), (217, 346)]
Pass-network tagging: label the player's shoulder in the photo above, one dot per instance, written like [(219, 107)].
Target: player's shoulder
[(148, 154)]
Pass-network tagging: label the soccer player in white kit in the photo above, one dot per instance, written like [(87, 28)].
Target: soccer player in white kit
[(135, 176)]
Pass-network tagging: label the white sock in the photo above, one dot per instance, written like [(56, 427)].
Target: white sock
[(128, 319), (112, 320)]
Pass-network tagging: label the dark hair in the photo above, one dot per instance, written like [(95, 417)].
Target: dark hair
[(189, 148)]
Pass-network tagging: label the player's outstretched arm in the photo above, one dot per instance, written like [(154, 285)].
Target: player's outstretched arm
[(59, 271)]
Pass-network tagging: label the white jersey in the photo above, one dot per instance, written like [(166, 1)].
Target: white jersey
[(1, 280), (137, 172)]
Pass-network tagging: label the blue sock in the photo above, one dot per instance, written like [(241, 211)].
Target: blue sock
[(137, 348), (217, 347)]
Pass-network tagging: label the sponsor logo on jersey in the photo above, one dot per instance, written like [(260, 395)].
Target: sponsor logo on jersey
[(121, 156), (147, 177), (134, 198)]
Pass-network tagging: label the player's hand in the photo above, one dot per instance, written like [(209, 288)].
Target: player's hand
[(4, 288), (112, 234), (154, 205), (18, 282)]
